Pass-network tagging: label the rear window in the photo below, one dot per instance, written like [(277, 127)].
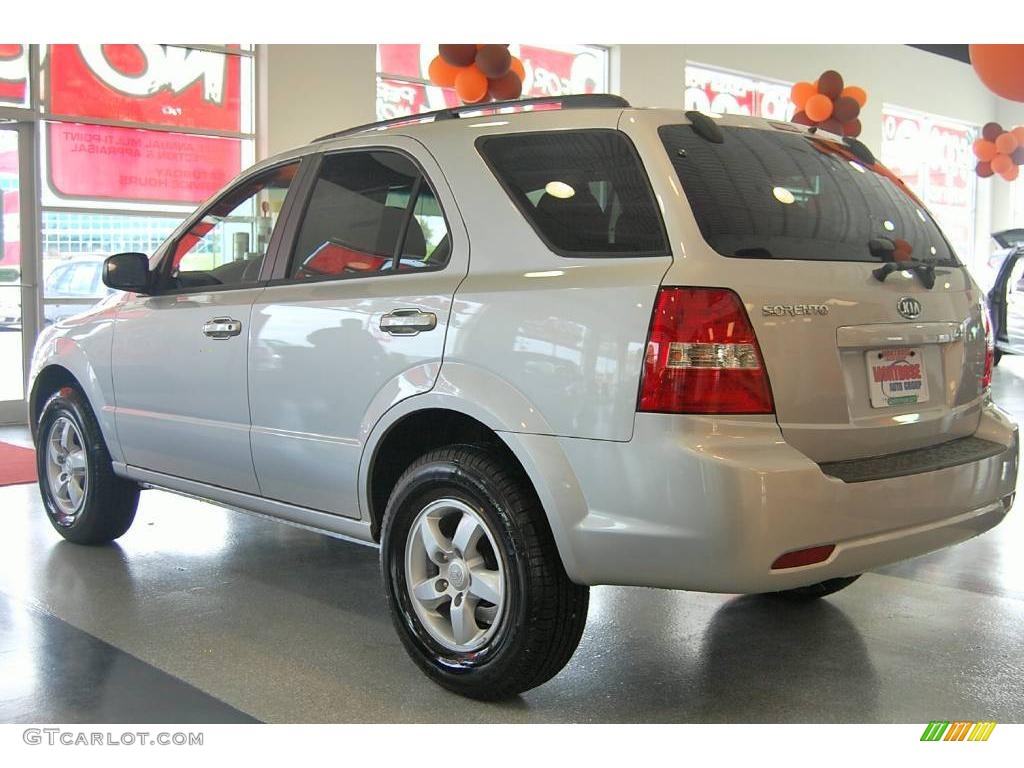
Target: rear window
[(584, 192), (775, 194)]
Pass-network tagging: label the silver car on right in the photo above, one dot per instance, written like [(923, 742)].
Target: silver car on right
[(525, 351)]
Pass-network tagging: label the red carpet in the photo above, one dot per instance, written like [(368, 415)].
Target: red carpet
[(17, 464)]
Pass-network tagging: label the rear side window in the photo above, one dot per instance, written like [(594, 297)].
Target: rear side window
[(775, 194), (585, 192), (371, 212)]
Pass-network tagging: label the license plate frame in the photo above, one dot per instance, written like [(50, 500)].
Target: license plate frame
[(897, 376)]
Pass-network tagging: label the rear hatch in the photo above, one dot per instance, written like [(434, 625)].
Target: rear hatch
[(798, 225)]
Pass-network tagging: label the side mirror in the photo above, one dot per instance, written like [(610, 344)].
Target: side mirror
[(127, 272)]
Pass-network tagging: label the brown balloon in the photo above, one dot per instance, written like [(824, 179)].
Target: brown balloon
[(801, 118), (846, 109), (991, 131), (458, 55), (506, 87), (832, 126), (493, 60), (852, 128), (831, 84)]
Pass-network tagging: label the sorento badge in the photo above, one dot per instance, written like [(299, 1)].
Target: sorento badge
[(908, 307)]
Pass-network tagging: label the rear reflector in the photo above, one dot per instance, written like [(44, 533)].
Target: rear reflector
[(702, 356), (804, 557)]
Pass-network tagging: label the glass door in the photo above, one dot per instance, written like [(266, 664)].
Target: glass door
[(18, 295)]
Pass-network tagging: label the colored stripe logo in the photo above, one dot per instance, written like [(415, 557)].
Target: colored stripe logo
[(961, 730)]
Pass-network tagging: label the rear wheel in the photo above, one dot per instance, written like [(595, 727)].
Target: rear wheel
[(476, 588), (85, 501), (821, 589)]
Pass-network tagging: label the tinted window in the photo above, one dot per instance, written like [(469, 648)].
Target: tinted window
[(585, 192), (778, 194), (368, 209), (226, 247)]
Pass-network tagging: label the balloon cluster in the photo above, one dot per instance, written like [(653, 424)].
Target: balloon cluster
[(478, 73), (999, 151), (829, 104)]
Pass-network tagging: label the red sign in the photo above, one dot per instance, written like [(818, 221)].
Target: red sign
[(13, 74), (729, 93), (127, 164), (152, 84)]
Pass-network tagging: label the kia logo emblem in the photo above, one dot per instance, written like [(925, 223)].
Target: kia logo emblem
[(908, 307)]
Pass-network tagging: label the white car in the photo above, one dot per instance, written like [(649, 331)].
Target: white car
[(530, 352)]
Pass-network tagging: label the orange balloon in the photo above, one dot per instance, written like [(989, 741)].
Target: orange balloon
[(1001, 69), (984, 150), (856, 93), (440, 72), (1011, 173), (471, 85), (518, 68), (818, 107), (800, 93), (1002, 163), (1019, 133), (1006, 143)]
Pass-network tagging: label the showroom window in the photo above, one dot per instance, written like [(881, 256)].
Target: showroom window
[(712, 89), (133, 137), (933, 156), (403, 87)]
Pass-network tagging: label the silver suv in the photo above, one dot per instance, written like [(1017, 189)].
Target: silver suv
[(528, 352)]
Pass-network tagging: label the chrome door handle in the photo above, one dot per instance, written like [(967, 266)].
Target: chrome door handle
[(408, 322), (222, 328)]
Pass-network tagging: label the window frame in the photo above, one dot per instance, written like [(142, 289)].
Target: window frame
[(286, 255), (162, 271), (525, 213)]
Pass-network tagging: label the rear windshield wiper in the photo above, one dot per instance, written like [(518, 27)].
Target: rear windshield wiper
[(885, 249), (925, 271)]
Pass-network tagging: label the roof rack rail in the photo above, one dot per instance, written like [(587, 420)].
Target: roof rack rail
[(569, 101)]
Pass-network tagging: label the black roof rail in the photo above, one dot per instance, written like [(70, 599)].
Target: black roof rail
[(569, 101)]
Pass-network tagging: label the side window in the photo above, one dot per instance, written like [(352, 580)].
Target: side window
[(228, 244), (366, 210), (585, 192), (83, 279), (59, 279)]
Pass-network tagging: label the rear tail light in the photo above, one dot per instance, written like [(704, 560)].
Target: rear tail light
[(702, 356), (990, 350)]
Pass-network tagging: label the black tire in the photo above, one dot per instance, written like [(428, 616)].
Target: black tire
[(815, 591), (109, 502), (544, 612)]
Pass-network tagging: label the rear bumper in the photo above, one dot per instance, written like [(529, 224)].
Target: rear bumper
[(709, 504)]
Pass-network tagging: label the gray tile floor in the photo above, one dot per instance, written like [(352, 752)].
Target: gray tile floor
[(285, 625)]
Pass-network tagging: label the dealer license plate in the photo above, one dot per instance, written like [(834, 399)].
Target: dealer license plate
[(897, 377)]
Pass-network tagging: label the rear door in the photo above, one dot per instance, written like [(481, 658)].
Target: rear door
[(798, 226), (355, 320)]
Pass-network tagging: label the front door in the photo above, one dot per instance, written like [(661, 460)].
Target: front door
[(355, 321), (179, 356)]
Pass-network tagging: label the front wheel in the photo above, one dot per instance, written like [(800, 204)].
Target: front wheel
[(477, 591), (84, 500)]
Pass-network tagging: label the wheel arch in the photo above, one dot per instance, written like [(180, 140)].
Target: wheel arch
[(50, 380), (423, 422)]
